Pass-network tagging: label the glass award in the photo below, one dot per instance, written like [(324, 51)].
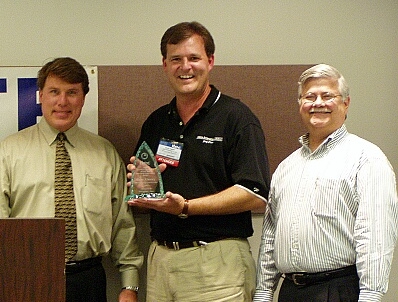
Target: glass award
[(146, 180)]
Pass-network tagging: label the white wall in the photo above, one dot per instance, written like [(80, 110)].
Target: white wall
[(360, 38)]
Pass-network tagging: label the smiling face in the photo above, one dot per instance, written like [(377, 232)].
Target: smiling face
[(61, 102), (323, 118), (187, 67)]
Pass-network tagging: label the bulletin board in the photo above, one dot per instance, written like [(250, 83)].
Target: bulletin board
[(128, 94)]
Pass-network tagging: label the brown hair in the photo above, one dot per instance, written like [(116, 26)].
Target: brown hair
[(67, 69), (184, 30)]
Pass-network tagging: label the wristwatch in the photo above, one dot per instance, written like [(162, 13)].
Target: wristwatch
[(184, 213), (133, 288)]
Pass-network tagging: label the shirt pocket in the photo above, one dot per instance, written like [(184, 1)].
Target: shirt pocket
[(96, 195), (325, 197)]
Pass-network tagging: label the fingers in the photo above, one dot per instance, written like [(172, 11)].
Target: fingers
[(162, 167), (131, 167)]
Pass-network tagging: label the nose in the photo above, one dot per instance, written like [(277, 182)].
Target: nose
[(185, 64), (62, 100), (319, 101)]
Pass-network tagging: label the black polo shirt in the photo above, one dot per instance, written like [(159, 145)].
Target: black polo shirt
[(224, 145)]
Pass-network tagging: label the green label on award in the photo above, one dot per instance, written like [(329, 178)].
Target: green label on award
[(146, 181)]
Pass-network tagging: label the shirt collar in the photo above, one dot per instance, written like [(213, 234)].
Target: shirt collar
[(329, 142), (211, 99), (51, 133)]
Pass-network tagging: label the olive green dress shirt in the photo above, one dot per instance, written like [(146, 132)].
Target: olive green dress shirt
[(104, 221)]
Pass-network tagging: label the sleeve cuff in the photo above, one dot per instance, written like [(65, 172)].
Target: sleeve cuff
[(130, 278), (370, 296), (263, 296)]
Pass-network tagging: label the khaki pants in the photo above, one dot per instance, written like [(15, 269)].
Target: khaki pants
[(223, 270)]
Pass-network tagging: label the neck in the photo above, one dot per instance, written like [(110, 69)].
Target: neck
[(315, 139), (188, 105)]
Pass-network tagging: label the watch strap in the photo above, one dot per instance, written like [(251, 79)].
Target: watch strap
[(132, 288), (184, 213)]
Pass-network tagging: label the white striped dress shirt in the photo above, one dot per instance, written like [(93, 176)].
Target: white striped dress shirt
[(334, 207)]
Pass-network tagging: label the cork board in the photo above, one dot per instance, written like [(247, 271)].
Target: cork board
[(128, 94)]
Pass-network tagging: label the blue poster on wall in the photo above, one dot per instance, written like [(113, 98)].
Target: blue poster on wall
[(28, 109), (3, 85)]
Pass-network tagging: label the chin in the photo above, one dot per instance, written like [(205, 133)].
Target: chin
[(319, 121)]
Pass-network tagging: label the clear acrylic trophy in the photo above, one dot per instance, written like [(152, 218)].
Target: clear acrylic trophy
[(146, 181)]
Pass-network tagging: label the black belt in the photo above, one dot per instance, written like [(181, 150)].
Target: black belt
[(79, 266), (303, 279), (178, 245)]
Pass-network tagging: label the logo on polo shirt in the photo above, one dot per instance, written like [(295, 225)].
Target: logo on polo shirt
[(209, 140)]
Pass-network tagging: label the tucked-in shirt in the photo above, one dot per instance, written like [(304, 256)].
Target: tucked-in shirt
[(223, 146), (104, 221), (331, 208)]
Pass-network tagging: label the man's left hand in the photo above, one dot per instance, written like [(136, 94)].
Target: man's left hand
[(127, 295)]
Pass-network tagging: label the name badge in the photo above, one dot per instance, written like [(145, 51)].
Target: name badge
[(169, 152)]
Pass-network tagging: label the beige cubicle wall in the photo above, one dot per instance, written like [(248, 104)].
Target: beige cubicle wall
[(128, 94)]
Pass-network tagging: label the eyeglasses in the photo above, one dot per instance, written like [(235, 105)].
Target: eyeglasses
[(326, 97)]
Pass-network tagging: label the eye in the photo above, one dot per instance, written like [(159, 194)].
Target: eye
[(328, 96), (195, 59), (310, 97)]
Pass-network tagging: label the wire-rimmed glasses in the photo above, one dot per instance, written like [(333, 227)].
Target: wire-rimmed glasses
[(311, 98)]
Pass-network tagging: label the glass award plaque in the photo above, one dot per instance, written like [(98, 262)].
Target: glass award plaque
[(146, 180)]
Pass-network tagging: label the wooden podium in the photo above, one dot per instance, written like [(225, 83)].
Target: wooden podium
[(32, 260)]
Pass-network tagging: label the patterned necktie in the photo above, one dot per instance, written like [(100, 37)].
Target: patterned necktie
[(64, 198)]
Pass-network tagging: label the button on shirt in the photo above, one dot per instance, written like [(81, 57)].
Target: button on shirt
[(27, 163), (331, 208)]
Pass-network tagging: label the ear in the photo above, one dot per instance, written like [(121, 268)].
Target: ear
[(164, 63), (211, 62), (347, 102), (40, 95)]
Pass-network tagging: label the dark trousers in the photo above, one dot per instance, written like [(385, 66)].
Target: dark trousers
[(343, 289), (88, 285)]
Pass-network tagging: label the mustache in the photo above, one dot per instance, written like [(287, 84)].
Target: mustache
[(320, 110)]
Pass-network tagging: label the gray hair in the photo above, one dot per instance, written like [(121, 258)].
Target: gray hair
[(324, 71)]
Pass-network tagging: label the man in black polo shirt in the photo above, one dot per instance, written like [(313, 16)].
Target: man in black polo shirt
[(218, 175)]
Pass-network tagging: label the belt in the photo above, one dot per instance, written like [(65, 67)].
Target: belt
[(79, 266), (303, 279), (178, 245)]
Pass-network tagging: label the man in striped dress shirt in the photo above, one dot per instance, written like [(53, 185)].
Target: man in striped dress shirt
[(331, 223)]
